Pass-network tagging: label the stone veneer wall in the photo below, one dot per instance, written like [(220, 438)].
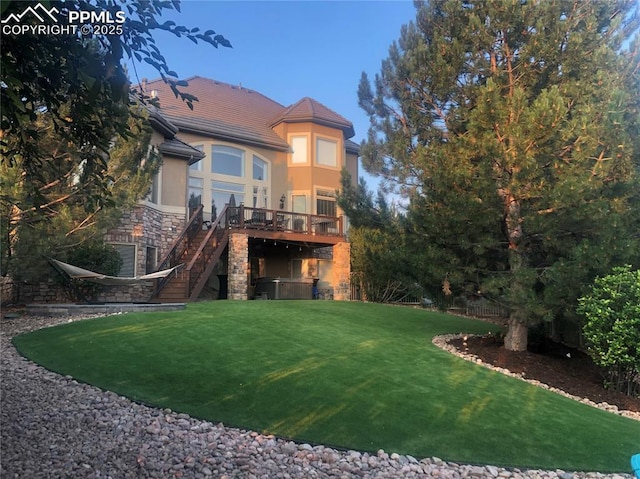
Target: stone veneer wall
[(51, 292), (146, 226), (342, 271), (142, 226), (239, 268)]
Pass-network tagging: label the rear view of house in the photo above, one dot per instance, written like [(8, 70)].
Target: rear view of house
[(245, 198)]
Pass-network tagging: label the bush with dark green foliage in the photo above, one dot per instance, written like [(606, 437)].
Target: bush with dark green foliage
[(94, 256), (612, 328)]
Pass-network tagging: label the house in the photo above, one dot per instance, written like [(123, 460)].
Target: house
[(245, 198)]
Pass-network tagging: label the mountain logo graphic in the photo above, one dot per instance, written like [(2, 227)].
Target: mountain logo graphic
[(39, 12)]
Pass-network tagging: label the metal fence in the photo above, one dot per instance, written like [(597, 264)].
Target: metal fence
[(481, 308)]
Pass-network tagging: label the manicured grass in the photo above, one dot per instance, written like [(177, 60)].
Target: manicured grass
[(360, 376)]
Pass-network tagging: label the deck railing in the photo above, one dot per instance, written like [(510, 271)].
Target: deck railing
[(283, 221)]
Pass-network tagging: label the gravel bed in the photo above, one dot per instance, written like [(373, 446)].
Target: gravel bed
[(51, 426)]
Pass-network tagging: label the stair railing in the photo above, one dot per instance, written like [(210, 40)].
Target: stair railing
[(180, 245), (209, 251)]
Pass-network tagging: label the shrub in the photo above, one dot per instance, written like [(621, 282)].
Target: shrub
[(94, 256), (612, 328)]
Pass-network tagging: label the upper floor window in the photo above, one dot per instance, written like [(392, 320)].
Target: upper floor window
[(259, 169), (227, 160), (299, 147), (197, 166), (326, 152)]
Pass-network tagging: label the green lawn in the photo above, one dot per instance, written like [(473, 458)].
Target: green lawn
[(353, 375)]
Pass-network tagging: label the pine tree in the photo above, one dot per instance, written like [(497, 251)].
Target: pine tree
[(73, 208), (514, 128)]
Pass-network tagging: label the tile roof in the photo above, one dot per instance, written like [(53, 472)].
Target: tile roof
[(309, 109), (180, 149), (238, 114)]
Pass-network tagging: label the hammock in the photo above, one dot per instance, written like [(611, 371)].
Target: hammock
[(79, 273)]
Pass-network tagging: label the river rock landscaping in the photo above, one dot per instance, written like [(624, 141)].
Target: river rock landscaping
[(54, 426)]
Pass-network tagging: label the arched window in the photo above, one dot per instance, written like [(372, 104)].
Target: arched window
[(227, 160)]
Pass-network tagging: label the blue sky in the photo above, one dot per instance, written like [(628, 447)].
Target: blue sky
[(287, 50)]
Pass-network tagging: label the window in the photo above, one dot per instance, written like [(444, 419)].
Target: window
[(153, 193), (299, 203), (221, 192), (260, 197), (151, 259), (227, 160), (259, 169), (325, 203), (299, 147), (128, 254), (326, 152), (196, 186), (197, 166)]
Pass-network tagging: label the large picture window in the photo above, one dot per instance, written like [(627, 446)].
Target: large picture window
[(326, 152), (226, 160)]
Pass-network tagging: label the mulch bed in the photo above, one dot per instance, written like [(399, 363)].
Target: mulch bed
[(553, 364)]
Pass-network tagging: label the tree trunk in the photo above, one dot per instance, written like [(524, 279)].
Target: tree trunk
[(516, 338)]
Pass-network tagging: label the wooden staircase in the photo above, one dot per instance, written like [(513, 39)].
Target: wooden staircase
[(176, 290), (198, 250)]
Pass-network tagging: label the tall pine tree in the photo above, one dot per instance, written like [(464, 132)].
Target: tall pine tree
[(513, 126)]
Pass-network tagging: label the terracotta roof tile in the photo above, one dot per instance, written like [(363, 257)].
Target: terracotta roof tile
[(237, 113), (309, 109)]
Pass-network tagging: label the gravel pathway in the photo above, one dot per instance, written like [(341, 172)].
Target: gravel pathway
[(54, 427)]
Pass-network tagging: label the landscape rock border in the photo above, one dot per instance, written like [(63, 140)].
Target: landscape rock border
[(53, 426)]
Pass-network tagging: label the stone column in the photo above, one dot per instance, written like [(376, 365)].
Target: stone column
[(238, 266), (342, 271)]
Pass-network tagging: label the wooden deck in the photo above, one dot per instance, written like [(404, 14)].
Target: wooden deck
[(285, 225)]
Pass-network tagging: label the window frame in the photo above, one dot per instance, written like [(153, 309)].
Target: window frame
[(326, 140)]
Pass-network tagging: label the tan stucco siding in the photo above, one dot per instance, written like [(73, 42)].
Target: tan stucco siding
[(352, 167), (174, 182)]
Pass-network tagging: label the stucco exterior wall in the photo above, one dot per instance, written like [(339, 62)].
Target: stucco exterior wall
[(173, 186)]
